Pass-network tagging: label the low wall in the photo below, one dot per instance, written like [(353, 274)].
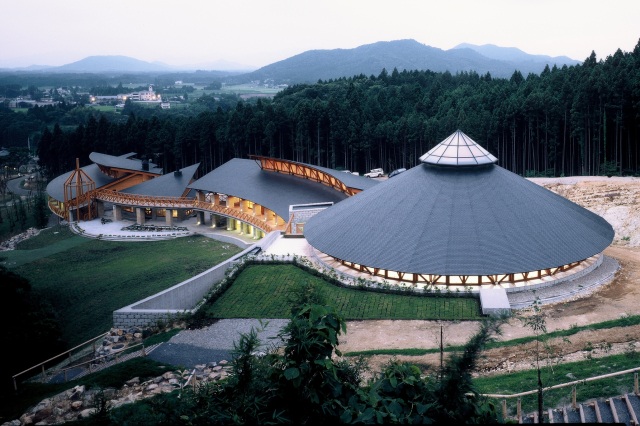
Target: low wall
[(182, 297)]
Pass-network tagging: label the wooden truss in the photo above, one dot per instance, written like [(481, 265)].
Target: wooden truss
[(458, 280), (303, 171), (136, 200), (78, 193)]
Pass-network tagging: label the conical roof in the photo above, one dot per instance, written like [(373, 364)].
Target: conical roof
[(458, 150), (480, 220)]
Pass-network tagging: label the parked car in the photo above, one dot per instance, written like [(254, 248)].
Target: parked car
[(375, 173), (396, 172)]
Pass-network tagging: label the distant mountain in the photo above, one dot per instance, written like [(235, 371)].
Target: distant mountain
[(314, 65), (513, 54), (99, 64), (370, 59)]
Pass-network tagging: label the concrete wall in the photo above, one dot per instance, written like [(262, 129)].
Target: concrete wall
[(181, 298), (303, 212)]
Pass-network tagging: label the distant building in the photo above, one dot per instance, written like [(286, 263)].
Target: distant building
[(145, 96)]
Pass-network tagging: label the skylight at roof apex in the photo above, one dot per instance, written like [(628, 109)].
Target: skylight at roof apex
[(458, 150)]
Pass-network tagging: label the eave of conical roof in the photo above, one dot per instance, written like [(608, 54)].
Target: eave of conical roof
[(458, 150), (480, 220)]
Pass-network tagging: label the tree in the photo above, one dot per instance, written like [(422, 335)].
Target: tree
[(307, 382), (538, 324), (34, 333)]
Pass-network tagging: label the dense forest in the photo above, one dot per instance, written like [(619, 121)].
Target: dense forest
[(577, 120)]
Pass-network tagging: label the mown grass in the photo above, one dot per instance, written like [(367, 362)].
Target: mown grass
[(266, 291), (522, 381), (85, 283), (47, 237)]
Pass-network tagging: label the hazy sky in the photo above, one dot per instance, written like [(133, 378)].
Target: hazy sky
[(260, 32)]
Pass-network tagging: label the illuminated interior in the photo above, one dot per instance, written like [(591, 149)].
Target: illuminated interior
[(453, 282)]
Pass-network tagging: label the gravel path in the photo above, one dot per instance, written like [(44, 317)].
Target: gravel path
[(214, 343)]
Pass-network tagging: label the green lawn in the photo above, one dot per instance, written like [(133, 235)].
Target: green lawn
[(86, 280), (265, 291)]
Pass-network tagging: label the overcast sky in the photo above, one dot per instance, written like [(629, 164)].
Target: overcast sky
[(259, 32)]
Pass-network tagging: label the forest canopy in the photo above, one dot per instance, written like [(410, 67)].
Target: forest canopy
[(578, 120)]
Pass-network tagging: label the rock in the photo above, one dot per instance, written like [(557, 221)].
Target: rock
[(68, 405), (77, 393), (88, 412), (134, 381)]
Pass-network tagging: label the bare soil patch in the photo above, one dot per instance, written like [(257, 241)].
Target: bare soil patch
[(618, 201)]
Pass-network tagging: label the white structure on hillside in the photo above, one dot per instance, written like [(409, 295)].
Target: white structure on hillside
[(145, 96)]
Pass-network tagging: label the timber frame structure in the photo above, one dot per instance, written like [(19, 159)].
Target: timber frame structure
[(304, 171), (470, 281), (79, 189)]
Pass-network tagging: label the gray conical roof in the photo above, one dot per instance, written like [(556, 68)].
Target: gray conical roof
[(458, 150), (481, 220)]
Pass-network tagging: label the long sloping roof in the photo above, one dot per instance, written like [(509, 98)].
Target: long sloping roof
[(55, 188), (480, 220), (168, 185), (276, 191), (122, 162)]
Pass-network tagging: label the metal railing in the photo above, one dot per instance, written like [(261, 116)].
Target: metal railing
[(66, 353), (92, 362)]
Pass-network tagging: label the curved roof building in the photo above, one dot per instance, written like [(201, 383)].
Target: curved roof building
[(458, 218)]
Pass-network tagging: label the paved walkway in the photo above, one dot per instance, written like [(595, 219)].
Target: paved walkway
[(113, 230)]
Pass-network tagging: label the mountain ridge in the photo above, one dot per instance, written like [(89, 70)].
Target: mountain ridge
[(368, 59), (407, 54)]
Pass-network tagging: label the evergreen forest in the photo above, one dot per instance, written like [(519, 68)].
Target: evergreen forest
[(574, 120)]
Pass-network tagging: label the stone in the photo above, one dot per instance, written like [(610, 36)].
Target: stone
[(69, 405), (87, 412)]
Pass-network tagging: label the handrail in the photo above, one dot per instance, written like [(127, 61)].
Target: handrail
[(563, 385), (15, 376), (181, 202), (636, 390), (115, 353)]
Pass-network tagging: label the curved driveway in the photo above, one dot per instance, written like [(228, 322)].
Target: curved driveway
[(13, 186)]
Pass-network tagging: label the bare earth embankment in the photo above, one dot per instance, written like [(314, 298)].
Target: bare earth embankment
[(618, 201)]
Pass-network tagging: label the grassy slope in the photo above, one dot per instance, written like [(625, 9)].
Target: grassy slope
[(87, 281)]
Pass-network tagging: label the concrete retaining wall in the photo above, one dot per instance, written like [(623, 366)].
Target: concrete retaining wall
[(184, 297)]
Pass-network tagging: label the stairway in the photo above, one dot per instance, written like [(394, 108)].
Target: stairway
[(76, 372), (624, 409)]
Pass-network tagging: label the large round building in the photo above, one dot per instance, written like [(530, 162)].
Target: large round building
[(458, 219)]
